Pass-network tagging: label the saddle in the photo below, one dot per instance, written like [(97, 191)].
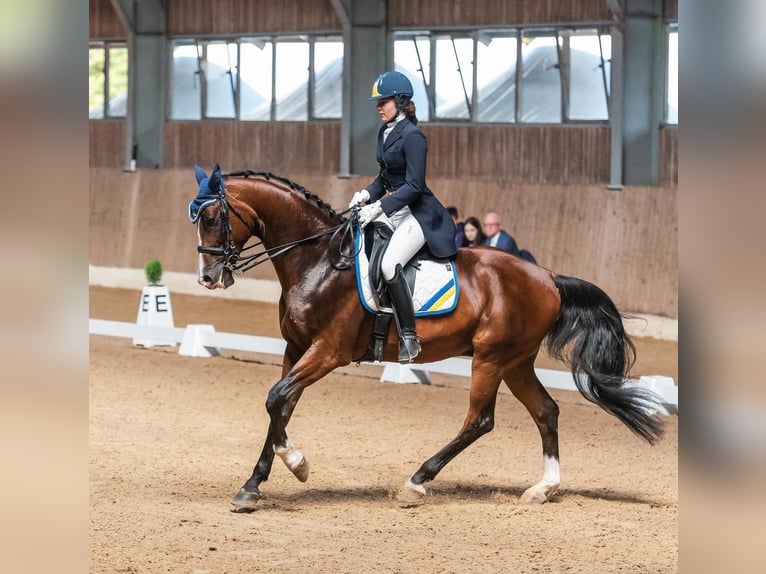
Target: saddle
[(376, 239), (432, 281)]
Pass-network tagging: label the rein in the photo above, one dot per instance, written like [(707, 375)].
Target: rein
[(343, 230), (235, 263)]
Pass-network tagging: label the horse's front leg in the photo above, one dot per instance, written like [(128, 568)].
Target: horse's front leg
[(283, 397), (250, 493), (245, 500)]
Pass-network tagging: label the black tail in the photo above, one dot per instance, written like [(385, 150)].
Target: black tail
[(590, 337)]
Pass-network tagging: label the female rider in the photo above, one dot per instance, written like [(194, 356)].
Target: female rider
[(400, 195)]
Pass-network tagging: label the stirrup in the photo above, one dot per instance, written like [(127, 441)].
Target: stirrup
[(408, 350)]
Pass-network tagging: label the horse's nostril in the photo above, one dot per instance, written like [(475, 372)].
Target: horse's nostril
[(206, 279)]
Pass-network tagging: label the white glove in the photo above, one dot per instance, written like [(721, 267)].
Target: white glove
[(368, 213), (359, 198)]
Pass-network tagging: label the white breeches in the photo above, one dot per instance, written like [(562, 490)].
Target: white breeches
[(406, 241)]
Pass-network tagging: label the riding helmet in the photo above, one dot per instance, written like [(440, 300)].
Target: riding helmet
[(390, 84)]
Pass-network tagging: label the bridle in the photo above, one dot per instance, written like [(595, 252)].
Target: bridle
[(235, 263), (229, 250)]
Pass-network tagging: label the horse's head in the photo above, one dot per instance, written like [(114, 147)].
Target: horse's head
[(218, 242)]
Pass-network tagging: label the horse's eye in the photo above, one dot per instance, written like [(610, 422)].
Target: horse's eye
[(208, 220)]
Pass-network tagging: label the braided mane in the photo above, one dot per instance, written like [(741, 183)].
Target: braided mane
[(291, 185)]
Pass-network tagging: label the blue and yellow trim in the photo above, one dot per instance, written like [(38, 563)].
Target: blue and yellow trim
[(440, 299)]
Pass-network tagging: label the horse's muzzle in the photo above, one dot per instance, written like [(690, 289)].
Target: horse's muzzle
[(217, 278)]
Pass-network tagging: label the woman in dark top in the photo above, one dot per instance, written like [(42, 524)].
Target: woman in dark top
[(472, 233), (400, 196)]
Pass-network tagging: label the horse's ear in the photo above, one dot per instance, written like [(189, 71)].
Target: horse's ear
[(215, 179), (199, 173)]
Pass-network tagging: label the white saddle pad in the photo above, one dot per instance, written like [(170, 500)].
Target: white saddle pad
[(435, 292)]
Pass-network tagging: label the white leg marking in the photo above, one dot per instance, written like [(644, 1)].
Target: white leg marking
[(294, 460), (543, 490), (551, 473)]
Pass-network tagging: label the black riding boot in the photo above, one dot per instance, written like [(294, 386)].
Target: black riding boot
[(404, 314)]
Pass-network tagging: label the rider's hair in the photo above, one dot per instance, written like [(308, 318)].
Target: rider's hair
[(407, 106)]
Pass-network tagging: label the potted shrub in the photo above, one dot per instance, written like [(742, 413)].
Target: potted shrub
[(154, 308), (153, 271)]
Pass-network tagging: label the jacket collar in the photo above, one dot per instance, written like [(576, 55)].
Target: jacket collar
[(396, 133)]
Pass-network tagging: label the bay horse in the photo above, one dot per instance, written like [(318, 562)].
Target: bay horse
[(507, 309)]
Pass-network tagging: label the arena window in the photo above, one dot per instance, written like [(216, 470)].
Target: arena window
[(269, 78), (108, 80), (530, 75), (671, 81)]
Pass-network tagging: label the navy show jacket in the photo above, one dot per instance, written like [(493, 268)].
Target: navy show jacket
[(402, 181)]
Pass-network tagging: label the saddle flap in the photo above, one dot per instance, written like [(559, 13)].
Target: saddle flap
[(376, 238)]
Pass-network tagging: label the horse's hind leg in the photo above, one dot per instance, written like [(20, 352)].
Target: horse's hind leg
[(485, 380), (526, 387)]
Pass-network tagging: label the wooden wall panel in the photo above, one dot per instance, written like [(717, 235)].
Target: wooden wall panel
[(623, 241), (104, 22), (188, 17), (531, 154), (286, 147), (670, 9), (669, 156), (139, 216), (534, 154), (639, 264), (107, 143), (405, 13)]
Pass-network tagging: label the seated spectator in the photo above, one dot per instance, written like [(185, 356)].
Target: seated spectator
[(452, 210), (498, 237), (472, 233)]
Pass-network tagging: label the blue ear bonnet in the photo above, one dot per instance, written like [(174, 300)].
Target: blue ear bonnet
[(211, 189)]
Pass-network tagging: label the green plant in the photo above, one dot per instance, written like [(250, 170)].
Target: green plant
[(153, 270)]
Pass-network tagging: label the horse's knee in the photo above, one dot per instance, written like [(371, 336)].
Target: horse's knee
[(485, 424), (275, 400), (481, 426)]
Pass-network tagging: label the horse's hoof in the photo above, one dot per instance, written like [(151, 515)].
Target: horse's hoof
[(245, 501), (533, 496), (411, 494), (301, 471)]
